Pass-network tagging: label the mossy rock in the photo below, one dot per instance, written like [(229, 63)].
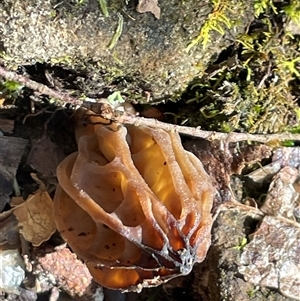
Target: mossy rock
[(157, 55)]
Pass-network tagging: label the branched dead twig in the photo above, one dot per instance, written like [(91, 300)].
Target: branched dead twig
[(135, 120), (43, 89), (209, 135)]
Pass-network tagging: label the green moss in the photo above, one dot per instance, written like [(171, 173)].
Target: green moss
[(11, 86), (80, 2), (243, 243), (293, 11), (64, 60), (217, 20), (251, 293), (261, 6), (253, 88)]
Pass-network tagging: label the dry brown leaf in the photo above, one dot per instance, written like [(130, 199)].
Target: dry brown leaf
[(149, 6), (36, 218), (44, 157), (16, 201)]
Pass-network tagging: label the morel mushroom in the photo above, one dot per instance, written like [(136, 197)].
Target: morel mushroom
[(133, 204)]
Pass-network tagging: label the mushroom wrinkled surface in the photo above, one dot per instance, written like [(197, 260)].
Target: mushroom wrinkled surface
[(133, 204)]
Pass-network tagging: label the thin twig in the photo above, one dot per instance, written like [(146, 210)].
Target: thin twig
[(65, 97), (209, 135), (135, 120)]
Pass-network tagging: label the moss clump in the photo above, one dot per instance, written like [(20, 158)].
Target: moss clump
[(253, 85), (216, 21)]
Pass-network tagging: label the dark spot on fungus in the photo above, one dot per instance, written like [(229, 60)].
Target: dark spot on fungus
[(82, 234), (107, 247), (70, 229), (114, 189), (113, 244), (165, 163)]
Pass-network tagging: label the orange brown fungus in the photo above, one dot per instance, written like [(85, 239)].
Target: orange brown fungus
[(133, 204)]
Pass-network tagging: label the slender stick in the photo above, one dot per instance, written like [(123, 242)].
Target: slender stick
[(209, 135), (135, 120), (43, 89)]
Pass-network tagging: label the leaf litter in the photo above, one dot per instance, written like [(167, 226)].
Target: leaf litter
[(285, 270), (149, 6), (35, 216)]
